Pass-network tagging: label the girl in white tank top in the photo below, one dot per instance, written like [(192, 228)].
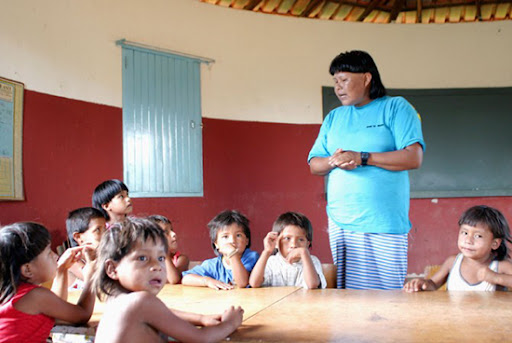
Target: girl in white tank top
[(482, 263), (456, 281)]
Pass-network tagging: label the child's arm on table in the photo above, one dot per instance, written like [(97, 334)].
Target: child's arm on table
[(44, 301), (503, 277), (240, 274), (173, 275), (158, 316), (258, 273), (198, 319), (436, 281), (204, 281)]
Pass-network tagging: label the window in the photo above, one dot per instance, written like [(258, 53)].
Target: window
[(162, 140)]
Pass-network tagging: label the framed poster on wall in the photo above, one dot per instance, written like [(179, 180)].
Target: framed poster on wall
[(11, 130)]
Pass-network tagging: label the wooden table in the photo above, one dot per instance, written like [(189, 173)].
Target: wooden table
[(332, 315), (194, 299), (287, 314)]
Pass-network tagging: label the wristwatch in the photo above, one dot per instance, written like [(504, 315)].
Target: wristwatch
[(364, 158)]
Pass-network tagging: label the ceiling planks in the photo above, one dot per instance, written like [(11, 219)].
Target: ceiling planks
[(380, 11)]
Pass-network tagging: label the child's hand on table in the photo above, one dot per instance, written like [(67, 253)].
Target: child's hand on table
[(235, 315), (418, 285), (216, 284)]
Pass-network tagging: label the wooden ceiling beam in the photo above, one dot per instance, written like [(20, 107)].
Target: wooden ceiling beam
[(371, 6), (311, 6), (251, 4), (419, 10), (478, 10), (341, 2), (453, 4), (397, 8)]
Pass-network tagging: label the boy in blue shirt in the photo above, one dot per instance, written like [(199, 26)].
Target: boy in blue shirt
[(231, 239)]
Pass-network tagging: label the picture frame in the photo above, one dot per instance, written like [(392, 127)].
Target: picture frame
[(11, 139)]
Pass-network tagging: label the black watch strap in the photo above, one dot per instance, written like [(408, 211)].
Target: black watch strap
[(364, 158)]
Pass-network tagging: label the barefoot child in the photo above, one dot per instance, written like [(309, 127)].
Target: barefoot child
[(174, 259), (482, 263), (27, 310), (292, 265), (130, 273), (111, 198), (231, 239)]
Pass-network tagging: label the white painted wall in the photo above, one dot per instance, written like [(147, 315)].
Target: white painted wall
[(268, 68)]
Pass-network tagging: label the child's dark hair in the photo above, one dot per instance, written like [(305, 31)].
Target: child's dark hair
[(159, 219), (78, 221), (118, 242), (20, 243), (296, 219), (226, 218), (105, 192), (357, 61), (494, 220)]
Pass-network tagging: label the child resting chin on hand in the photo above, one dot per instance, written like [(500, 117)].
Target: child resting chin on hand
[(231, 239)]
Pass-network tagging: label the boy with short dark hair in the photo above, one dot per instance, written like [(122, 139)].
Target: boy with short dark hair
[(231, 239), (292, 264), (84, 227)]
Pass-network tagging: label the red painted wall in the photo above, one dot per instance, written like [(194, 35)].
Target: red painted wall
[(71, 146)]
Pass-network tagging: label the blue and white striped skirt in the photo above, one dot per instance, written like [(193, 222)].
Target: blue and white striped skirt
[(368, 260)]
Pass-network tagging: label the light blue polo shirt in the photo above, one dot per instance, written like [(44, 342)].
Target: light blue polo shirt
[(215, 269), (369, 199)]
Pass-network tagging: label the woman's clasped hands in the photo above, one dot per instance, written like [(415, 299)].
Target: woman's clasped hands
[(344, 159)]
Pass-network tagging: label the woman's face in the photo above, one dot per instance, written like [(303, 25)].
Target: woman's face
[(352, 88)]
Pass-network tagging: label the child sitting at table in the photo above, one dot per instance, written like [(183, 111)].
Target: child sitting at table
[(111, 198), (231, 239), (130, 273), (292, 265), (175, 262), (84, 226), (27, 310), (481, 264)]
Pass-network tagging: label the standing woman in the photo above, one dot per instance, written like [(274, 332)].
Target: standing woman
[(366, 147)]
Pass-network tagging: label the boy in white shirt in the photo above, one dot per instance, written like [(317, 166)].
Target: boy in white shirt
[(292, 265)]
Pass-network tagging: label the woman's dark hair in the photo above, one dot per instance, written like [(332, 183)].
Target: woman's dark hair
[(226, 218), (105, 192), (494, 220), (79, 220), (20, 243), (357, 61), (295, 219), (118, 242)]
